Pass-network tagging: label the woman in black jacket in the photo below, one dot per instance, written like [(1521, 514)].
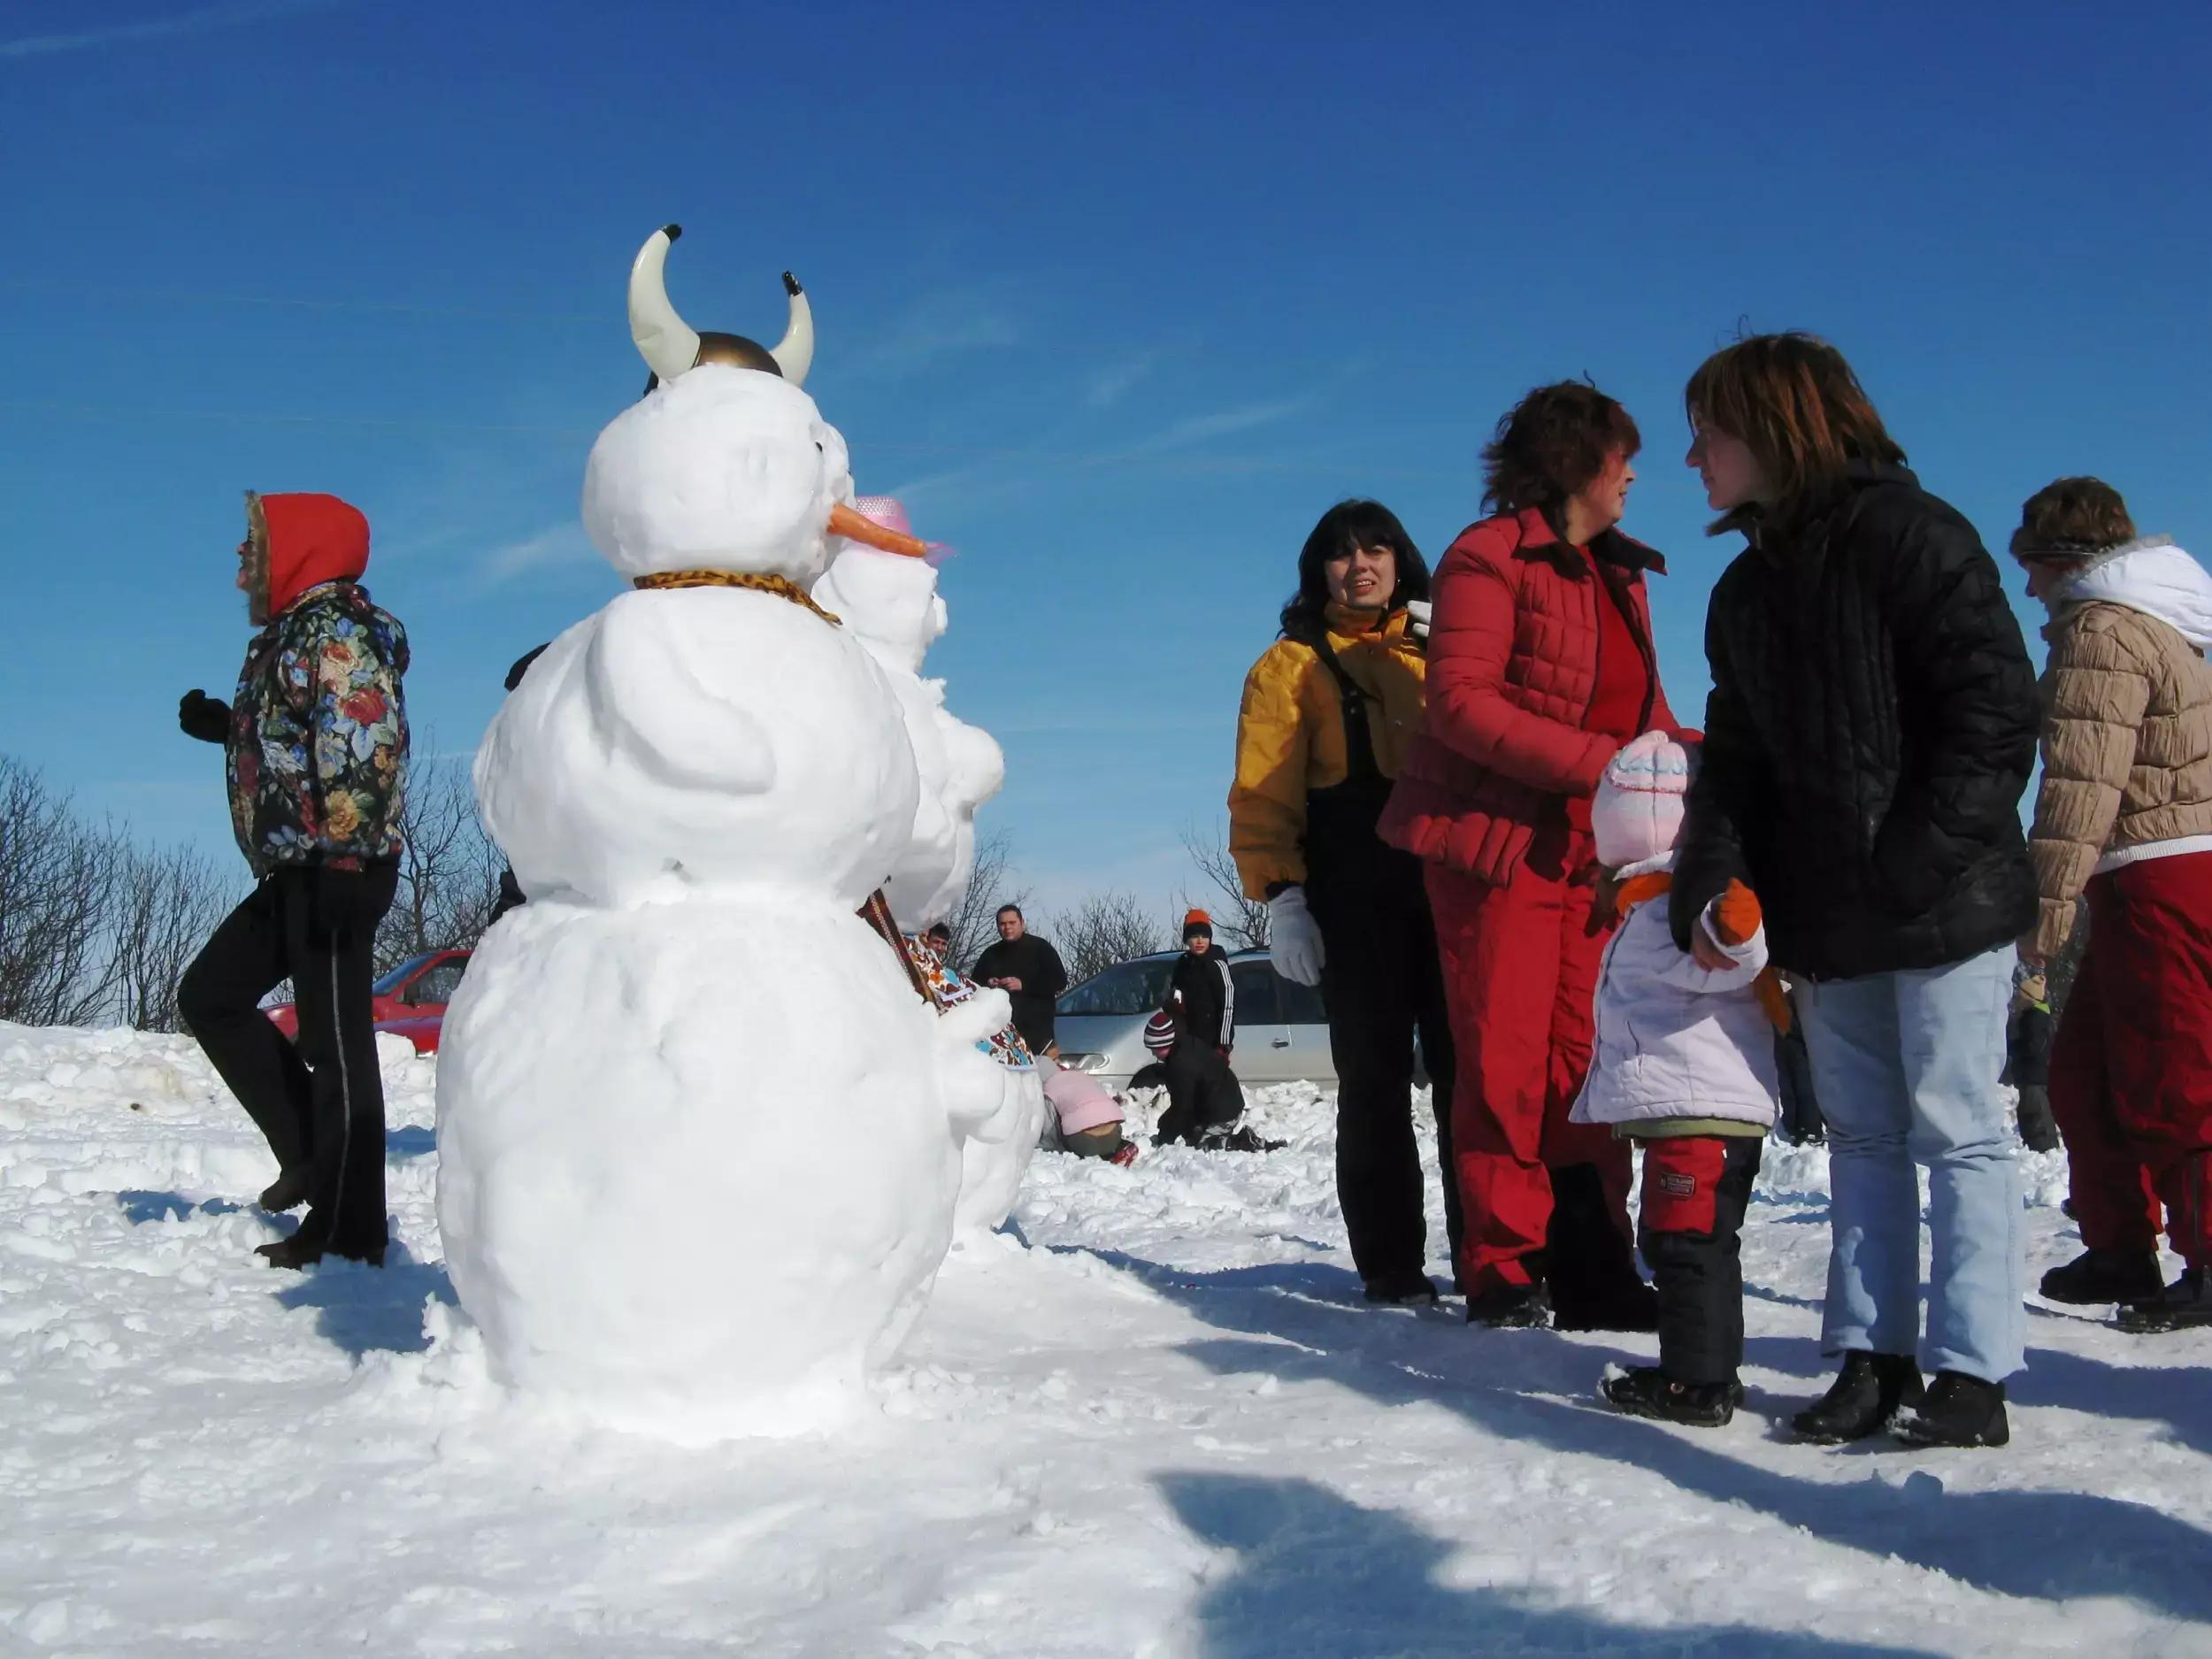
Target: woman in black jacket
[(1871, 728)]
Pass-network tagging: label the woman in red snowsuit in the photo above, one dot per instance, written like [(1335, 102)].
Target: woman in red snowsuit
[(1541, 668)]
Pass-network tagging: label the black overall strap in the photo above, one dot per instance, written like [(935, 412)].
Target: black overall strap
[(1359, 740)]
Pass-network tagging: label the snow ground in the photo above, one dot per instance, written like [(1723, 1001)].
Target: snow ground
[(1166, 1426)]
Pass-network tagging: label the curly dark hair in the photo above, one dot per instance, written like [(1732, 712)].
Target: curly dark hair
[(1552, 443), (1344, 528)]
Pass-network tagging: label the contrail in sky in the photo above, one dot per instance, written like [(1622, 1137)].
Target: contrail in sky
[(158, 29)]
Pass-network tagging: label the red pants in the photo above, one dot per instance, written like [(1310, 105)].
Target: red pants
[(1520, 982), (2132, 1066)]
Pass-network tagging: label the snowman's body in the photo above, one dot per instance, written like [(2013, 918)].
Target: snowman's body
[(892, 606), (700, 1141)]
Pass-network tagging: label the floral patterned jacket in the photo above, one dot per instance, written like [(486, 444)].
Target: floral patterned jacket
[(317, 758)]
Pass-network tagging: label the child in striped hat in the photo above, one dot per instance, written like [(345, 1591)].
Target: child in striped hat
[(1204, 1101)]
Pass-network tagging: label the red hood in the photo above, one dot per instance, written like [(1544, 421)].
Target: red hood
[(312, 539)]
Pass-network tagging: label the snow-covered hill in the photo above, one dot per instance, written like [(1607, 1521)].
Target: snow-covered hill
[(1167, 1426)]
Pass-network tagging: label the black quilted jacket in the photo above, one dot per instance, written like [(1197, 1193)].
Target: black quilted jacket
[(1871, 728)]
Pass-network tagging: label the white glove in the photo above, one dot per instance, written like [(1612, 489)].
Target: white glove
[(1293, 937), (1418, 614)]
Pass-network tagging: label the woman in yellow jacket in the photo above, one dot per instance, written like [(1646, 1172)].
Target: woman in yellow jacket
[(1327, 715)]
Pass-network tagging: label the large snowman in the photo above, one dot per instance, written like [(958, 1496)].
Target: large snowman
[(700, 1139), (892, 605)]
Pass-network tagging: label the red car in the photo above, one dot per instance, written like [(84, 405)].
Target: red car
[(408, 1002)]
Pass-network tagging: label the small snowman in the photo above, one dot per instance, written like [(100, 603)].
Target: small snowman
[(892, 606), (700, 1141)]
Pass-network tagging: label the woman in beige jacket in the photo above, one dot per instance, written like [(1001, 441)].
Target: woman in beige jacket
[(2125, 818)]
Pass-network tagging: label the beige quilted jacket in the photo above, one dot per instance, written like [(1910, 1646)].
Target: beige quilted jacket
[(2127, 727)]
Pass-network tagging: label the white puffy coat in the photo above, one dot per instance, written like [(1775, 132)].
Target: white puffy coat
[(1675, 1039)]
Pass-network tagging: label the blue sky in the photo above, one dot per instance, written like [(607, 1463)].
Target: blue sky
[(1117, 299)]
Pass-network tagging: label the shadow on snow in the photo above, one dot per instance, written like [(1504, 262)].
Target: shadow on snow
[(1294, 1322), (1317, 1574)]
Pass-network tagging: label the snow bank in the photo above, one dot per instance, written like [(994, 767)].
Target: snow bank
[(1167, 1426)]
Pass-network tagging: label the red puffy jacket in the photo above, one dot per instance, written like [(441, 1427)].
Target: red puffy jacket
[(1513, 663)]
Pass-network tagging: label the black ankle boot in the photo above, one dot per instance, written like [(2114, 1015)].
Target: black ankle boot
[(2184, 1305), (1959, 1411), (1509, 1307), (2095, 1278), (1401, 1289), (1863, 1397), (1646, 1392)]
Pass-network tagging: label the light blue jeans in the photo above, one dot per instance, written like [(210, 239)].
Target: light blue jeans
[(1905, 1066)]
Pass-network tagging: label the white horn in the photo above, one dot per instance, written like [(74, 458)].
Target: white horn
[(794, 352), (665, 341)]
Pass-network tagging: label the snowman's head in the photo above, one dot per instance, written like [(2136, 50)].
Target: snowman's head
[(724, 468), (888, 600)]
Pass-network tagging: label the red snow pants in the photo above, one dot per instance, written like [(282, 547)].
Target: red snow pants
[(1520, 965), (2131, 1065)]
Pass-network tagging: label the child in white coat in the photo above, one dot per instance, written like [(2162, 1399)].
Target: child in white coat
[(1685, 1066)]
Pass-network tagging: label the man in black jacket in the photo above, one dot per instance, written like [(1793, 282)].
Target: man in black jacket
[(1202, 985), (1028, 970)]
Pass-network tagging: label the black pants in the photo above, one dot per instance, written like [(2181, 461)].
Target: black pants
[(321, 1102), (1696, 1188), (1383, 984)]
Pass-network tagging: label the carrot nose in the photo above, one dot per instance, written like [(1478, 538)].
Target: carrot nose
[(855, 525)]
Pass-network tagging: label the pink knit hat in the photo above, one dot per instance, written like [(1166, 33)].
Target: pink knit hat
[(890, 512), (1637, 815)]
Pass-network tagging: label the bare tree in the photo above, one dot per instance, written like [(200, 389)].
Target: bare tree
[(1104, 929), (56, 875), (1240, 921), (974, 920), (164, 905), (448, 869)]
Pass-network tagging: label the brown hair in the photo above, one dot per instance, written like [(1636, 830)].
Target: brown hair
[(1551, 443), (2072, 517), (1794, 403)]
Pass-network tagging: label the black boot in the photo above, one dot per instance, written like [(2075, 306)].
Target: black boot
[(1865, 1395), (1645, 1391), (2184, 1305), (296, 1252), (1959, 1411), (2098, 1276), (289, 1190), (1399, 1289), (1511, 1306)]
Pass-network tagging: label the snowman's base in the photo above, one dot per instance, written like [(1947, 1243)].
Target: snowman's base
[(696, 1173)]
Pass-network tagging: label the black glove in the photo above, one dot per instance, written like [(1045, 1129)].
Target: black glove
[(336, 902), (201, 716)]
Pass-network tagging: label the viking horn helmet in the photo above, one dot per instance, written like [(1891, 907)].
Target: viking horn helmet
[(670, 346)]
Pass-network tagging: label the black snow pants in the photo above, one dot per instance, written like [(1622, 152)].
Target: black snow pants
[(1384, 985), (321, 1102), (1696, 1189)]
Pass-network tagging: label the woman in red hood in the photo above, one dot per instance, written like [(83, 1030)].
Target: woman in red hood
[(315, 747), (1540, 668)]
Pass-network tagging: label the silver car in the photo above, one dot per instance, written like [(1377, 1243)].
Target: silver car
[(1282, 1028)]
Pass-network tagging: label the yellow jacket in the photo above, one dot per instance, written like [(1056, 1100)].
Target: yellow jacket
[(1290, 735)]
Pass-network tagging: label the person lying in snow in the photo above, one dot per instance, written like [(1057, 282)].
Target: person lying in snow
[(1685, 1066), (1204, 1102), (1089, 1118)]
